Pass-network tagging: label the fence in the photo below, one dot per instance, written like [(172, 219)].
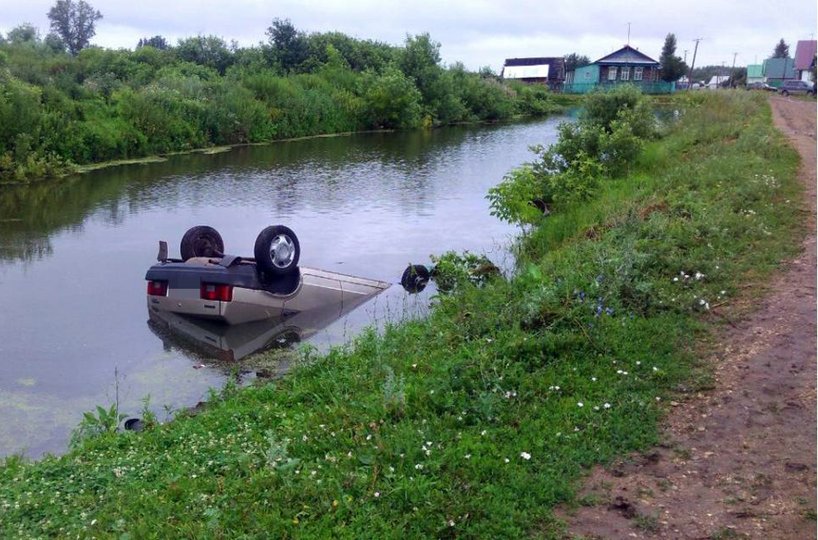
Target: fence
[(654, 87)]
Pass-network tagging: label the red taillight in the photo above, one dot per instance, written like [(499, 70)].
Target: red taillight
[(157, 288), (217, 291)]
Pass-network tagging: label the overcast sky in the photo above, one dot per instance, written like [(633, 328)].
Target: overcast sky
[(475, 32)]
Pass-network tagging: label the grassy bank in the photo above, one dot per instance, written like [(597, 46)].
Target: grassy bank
[(476, 421)]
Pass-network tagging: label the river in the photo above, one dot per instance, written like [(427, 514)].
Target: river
[(74, 330)]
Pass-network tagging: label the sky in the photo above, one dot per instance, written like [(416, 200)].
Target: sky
[(477, 33)]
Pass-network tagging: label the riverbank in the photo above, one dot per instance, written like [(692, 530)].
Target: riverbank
[(479, 419), (563, 104)]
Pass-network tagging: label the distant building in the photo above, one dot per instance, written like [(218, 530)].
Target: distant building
[(549, 71), (717, 81), (755, 73), (805, 59), (624, 66), (777, 70)]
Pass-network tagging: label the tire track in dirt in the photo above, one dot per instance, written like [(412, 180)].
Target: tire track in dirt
[(738, 461)]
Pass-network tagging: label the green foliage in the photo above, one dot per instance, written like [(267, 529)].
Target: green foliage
[(513, 199), (95, 424), (394, 393), (574, 61), (287, 46), (74, 23), (604, 143), (157, 42), (673, 67), (603, 107), (394, 101), (25, 33), (453, 270), (533, 99), (782, 50), (209, 51), (100, 104)]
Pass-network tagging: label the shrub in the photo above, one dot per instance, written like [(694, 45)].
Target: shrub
[(392, 100), (603, 143), (512, 199)]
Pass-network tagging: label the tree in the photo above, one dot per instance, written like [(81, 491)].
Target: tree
[(25, 33), (420, 61), (574, 61), (157, 42), (54, 42), (782, 50), (673, 66), (288, 46), (74, 23), (210, 51)]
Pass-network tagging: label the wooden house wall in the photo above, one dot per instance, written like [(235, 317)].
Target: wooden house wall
[(649, 73)]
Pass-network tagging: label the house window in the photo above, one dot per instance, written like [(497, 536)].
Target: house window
[(637, 74), (625, 74), (588, 75), (612, 73)]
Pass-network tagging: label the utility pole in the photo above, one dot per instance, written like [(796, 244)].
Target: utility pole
[(629, 33), (692, 64), (733, 71)]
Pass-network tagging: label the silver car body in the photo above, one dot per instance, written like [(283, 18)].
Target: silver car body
[(311, 289)]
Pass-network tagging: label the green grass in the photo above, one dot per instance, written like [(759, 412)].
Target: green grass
[(480, 419)]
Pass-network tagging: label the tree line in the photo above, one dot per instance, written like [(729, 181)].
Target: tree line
[(64, 103)]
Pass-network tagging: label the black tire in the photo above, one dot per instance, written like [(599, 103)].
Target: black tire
[(277, 251), (785, 93), (201, 241), (415, 278)]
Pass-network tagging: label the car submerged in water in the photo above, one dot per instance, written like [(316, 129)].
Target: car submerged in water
[(206, 283)]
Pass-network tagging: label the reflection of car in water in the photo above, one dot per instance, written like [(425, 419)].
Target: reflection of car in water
[(209, 284), (230, 342)]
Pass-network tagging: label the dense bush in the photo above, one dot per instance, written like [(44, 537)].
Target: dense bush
[(604, 143), (57, 110)]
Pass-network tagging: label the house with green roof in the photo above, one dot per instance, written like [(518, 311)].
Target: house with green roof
[(755, 73), (778, 70)]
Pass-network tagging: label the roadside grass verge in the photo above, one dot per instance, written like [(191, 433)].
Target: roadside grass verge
[(476, 421)]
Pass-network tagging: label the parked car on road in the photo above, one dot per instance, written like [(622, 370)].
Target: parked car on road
[(760, 86), (796, 87)]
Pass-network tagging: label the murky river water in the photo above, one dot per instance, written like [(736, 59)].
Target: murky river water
[(74, 329)]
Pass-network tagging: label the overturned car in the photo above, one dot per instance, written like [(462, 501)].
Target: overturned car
[(210, 284)]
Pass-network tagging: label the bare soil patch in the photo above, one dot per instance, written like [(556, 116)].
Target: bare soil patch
[(738, 461)]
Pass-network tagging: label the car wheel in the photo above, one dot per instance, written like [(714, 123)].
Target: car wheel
[(415, 278), (277, 250), (201, 241), (785, 93)]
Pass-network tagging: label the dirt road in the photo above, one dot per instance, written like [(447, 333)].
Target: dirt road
[(740, 460)]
